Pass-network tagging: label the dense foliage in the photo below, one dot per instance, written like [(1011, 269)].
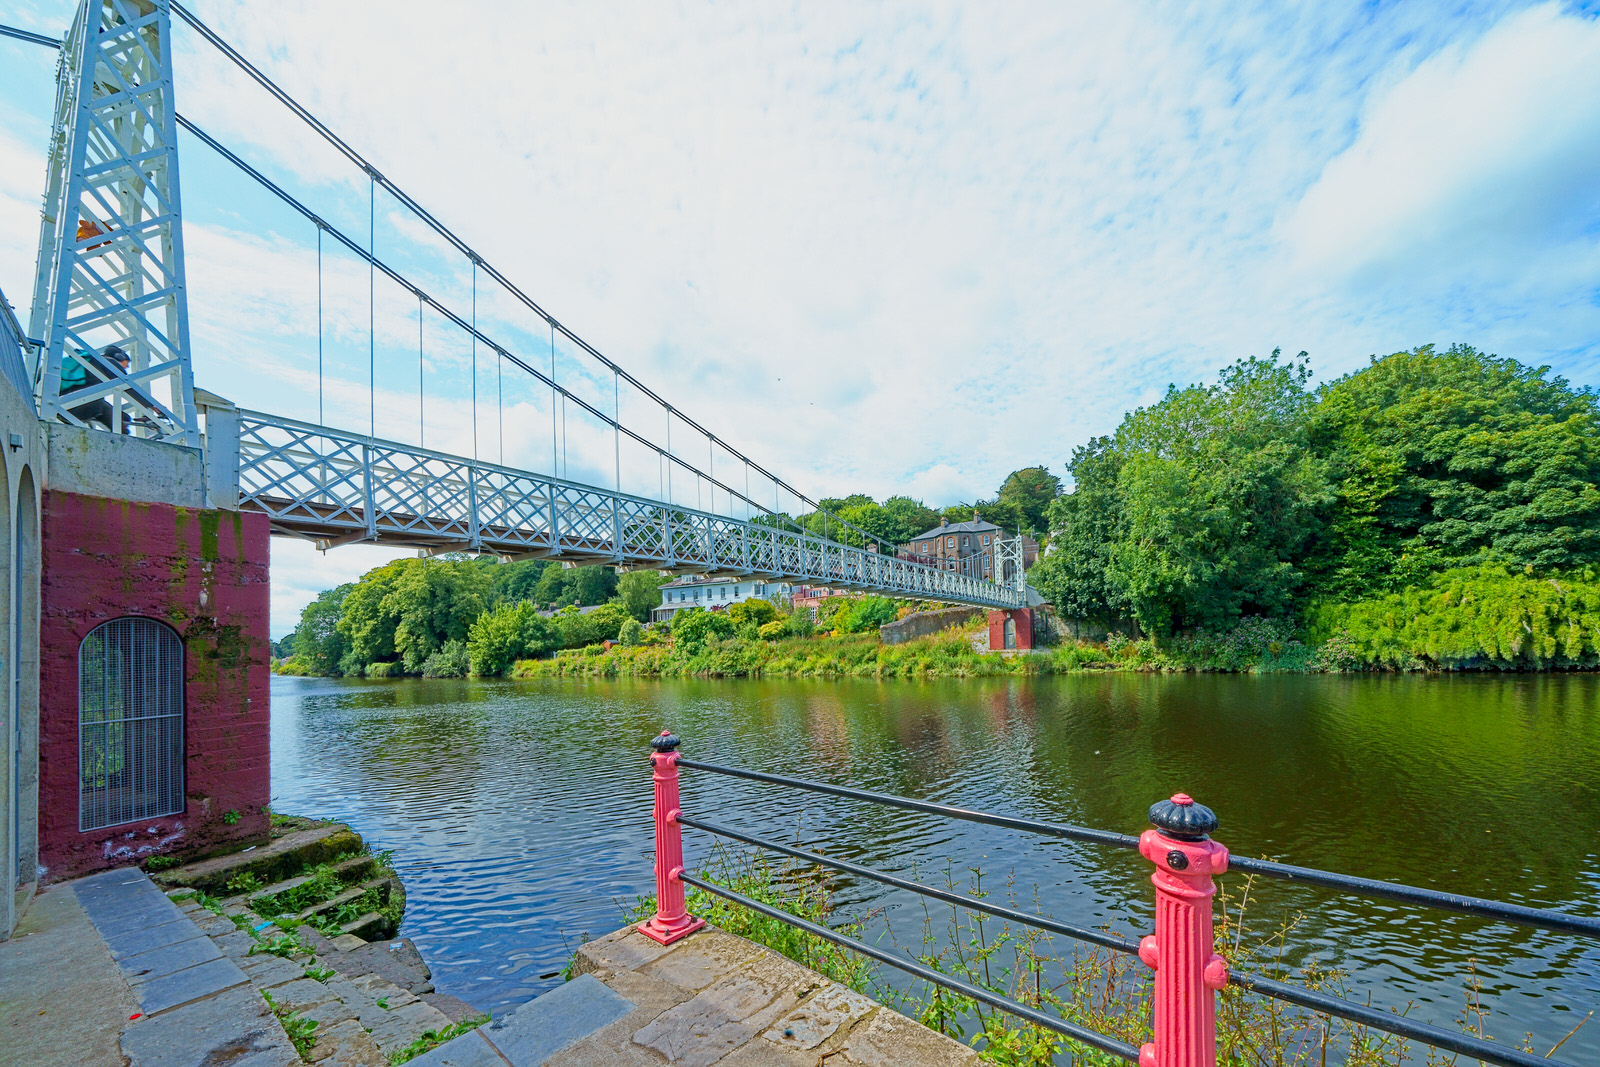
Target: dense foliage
[(1259, 496), (1471, 617), (1431, 510), (450, 616)]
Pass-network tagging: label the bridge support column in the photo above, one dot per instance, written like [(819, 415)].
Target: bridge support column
[(154, 702), (1011, 629)]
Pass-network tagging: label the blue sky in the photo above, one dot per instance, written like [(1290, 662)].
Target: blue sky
[(876, 248)]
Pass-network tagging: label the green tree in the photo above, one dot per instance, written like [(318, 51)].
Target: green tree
[(1455, 458), (1196, 510), (450, 661), (433, 601), (318, 640), (1085, 524), (511, 582), (1028, 493), (640, 592), (577, 629), (366, 622), (860, 614), (693, 627), (631, 635), (585, 586), (1219, 496), (759, 612), (909, 517), (505, 634)]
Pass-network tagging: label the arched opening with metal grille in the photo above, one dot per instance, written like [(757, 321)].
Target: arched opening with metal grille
[(130, 723)]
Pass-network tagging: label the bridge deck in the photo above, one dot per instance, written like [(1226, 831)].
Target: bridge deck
[(338, 488)]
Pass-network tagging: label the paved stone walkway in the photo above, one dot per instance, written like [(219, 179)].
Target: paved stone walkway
[(113, 955), (118, 974), (711, 998), (196, 1002)]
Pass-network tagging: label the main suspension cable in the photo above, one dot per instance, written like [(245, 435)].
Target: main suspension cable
[(372, 308), (461, 323), (374, 175), (319, 324)]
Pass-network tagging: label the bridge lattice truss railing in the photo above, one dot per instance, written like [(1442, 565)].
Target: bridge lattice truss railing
[(335, 488)]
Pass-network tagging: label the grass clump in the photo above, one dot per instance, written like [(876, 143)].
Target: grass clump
[(431, 1039), (800, 890), (302, 1031)]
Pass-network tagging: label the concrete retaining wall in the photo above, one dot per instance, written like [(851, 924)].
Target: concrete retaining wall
[(923, 623)]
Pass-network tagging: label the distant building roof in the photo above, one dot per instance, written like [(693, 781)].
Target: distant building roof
[(970, 526), (582, 610)]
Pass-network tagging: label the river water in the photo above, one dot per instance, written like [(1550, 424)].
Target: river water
[(519, 812)]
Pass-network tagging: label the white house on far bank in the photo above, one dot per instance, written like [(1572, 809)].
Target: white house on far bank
[(694, 592)]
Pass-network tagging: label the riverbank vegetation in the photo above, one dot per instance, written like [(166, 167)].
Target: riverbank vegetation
[(1434, 509), (1105, 991), (1431, 511)]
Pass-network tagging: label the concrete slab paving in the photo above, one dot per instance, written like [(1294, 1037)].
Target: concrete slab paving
[(266, 971), (717, 999), (162, 961), (346, 1044), (544, 1026), (469, 1050), (134, 941), (62, 999), (234, 1028), (191, 983)]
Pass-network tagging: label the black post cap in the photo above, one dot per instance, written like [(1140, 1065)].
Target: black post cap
[(665, 742), (1182, 818)]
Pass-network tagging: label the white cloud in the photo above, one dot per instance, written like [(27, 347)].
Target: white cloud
[(876, 249), (300, 572), (1482, 158)]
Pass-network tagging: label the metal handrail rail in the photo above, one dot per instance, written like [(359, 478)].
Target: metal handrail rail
[(1399, 1025), (1081, 933), (1054, 829), (1517, 914), (1377, 1018), (1092, 1038)]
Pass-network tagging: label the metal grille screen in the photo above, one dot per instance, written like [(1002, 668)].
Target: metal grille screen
[(130, 723)]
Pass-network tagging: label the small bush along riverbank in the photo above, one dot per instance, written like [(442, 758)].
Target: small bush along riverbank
[(1256, 645)]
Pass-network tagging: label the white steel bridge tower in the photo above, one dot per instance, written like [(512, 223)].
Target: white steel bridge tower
[(109, 302)]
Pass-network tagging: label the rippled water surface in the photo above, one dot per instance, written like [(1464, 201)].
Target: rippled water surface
[(519, 812)]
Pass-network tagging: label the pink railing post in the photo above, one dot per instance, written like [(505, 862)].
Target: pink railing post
[(671, 920), (1188, 972)]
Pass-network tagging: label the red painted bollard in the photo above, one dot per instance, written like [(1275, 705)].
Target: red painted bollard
[(1188, 972), (671, 920)]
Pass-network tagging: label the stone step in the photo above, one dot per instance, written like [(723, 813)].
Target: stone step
[(367, 927), (396, 960), (275, 861), (350, 870), (355, 892)]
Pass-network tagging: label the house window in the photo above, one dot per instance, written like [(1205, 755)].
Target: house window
[(924, 546), (130, 723), (985, 538), (949, 542)]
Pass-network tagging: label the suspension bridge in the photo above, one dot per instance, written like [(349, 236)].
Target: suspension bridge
[(107, 349)]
